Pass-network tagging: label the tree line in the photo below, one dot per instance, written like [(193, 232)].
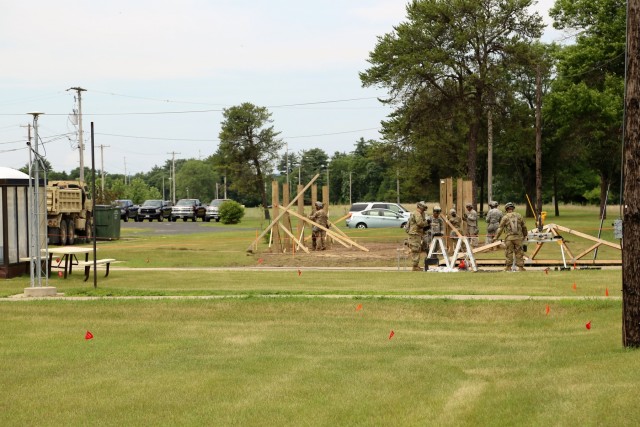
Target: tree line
[(457, 74)]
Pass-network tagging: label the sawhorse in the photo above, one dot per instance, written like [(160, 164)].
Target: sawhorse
[(468, 254), (438, 241)]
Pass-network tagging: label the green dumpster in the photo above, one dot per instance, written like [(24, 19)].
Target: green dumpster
[(107, 220)]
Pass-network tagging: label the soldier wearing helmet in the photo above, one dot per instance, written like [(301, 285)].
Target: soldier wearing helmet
[(493, 221), (318, 235), (515, 229), (471, 217), (416, 228), (436, 225)]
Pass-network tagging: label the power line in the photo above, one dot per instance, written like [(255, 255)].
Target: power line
[(216, 139)]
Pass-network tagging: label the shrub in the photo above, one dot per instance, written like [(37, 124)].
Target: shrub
[(231, 212)]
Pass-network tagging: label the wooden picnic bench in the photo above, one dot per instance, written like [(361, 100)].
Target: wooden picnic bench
[(88, 264)]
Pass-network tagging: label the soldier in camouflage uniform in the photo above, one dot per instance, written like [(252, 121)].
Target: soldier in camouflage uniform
[(436, 226), (471, 217), (516, 231), (415, 227), (493, 221), (318, 235)]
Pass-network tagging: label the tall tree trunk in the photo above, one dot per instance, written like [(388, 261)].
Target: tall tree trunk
[(555, 194), (472, 156), (538, 202), (604, 189), (631, 212)]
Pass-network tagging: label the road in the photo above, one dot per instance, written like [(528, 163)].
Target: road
[(179, 227)]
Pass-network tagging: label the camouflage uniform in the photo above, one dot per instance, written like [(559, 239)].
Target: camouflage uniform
[(415, 228), (456, 221), (318, 235), (471, 216), (516, 231), (493, 222), (436, 227)]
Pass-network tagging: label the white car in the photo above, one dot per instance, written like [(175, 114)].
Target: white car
[(365, 206), (377, 218)]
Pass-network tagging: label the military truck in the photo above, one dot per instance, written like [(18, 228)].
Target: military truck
[(69, 212)]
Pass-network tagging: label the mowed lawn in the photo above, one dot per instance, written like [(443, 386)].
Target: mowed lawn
[(299, 346), (316, 361)]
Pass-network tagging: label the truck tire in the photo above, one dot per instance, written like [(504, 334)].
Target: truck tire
[(71, 232), (126, 218), (194, 218), (63, 233), (160, 218), (54, 235)]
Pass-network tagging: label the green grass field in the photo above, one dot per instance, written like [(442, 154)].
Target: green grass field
[(282, 347)]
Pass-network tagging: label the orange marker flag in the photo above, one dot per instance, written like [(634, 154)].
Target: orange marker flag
[(588, 325), (88, 336), (606, 292), (546, 270), (299, 272), (58, 260), (260, 260), (358, 307), (59, 273), (547, 310), (574, 287), (391, 334)]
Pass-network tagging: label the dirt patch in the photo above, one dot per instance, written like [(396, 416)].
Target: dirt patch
[(379, 254)]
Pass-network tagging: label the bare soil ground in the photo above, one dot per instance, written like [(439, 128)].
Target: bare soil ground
[(379, 255)]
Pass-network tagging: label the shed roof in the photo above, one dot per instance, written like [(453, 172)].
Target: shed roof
[(8, 173)]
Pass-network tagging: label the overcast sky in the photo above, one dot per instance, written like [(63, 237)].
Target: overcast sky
[(158, 73)]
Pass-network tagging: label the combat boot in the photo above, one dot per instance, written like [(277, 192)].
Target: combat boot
[(507, 269), (416, 268), (521, 269)]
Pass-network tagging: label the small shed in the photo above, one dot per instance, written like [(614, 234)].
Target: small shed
[(14, 222)]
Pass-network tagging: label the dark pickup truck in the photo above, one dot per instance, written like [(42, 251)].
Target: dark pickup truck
[(154, 209), (127, 209)]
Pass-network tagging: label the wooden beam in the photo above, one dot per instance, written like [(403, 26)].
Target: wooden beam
[(585, 236), (336, 236), (583, 253), (266, 230), (286, 230)]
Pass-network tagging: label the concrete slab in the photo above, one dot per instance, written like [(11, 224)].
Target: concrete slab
[(41, 291)]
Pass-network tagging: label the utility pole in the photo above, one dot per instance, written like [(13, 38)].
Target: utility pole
[(125, 170), (225, 186), (102, 147), (537, 214), (286, 157), (79, 90), (38, 218), (398, 186), (173, 175), (350, 202)]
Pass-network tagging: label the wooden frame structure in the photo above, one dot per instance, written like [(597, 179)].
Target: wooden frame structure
[(282, 220), (570, 258)]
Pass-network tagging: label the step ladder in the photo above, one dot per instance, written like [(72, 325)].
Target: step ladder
[(468, 255), (437, 242)]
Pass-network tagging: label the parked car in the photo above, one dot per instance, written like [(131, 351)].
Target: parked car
[(213, 210), (154, 209), (188, 209), (377, 218), (365, 206), (127, 209)]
